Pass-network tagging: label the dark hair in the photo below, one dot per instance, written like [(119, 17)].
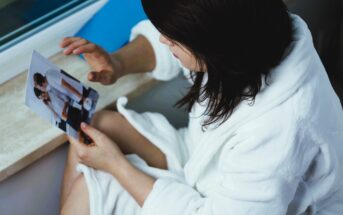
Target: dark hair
[(39, 79), (239, 41), (37, 92)]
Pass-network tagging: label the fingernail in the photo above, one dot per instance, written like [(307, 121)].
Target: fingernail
[(83, 125)]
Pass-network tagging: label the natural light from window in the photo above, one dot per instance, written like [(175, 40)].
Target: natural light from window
[(21, 18)]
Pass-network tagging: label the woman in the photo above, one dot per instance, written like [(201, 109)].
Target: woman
[(265, 126)]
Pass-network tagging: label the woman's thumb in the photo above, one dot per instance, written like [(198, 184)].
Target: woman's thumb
[(93, 133), (93, 76), (102, 76)]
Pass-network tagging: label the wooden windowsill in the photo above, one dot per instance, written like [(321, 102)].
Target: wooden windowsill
[(26, 137)]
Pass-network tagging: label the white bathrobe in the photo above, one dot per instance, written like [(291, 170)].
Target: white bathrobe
[(281, 155)]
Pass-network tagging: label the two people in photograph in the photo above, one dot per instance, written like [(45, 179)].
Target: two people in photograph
[(65, 97)]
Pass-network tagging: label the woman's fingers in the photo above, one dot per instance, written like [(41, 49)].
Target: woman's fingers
[(87, 48), (77, 45), (68, 40), (93, 133), (95, 77), (74, 46), (98, 58), (92, 76), (103, 77)]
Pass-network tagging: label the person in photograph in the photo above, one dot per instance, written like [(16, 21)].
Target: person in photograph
[(60, 106), (265, 130), (53, 80), (55, 118), (66, 84)]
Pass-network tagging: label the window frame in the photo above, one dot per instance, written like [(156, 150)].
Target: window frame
[(45, 39)]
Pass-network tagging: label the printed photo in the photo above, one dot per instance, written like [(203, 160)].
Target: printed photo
[(59, 98)]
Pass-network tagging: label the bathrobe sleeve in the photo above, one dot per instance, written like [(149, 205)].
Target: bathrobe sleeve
[(167, 66), (260, 172)]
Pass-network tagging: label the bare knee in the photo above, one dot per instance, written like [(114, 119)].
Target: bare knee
[(106, 121), (77, 201)]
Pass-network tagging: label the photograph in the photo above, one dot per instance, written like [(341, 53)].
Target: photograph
[(59, 98)]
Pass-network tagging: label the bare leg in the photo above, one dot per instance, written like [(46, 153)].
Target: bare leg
[(70, 173), (129, 140), (78, 199)]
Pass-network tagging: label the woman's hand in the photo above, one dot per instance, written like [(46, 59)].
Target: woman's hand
[(102, 154), (107, 68)]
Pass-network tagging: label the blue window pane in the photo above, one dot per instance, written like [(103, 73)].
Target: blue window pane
[(20, 17)]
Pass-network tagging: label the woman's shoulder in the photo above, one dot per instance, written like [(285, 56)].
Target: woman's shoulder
[(287, 133)]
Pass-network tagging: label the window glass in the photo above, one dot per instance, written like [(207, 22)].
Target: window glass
[(22, 17)]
